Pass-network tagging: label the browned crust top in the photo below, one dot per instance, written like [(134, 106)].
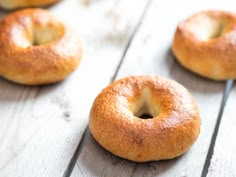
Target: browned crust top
[(209, 56), (40, 64), (171, 133)]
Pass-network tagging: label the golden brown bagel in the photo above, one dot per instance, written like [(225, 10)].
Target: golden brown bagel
[(115, 124), (36, 48), (205, 43), (15, 4)]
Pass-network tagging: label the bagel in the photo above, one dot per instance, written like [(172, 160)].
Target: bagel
[(205, 44), (15, 4), (36, 48), (172, 126)]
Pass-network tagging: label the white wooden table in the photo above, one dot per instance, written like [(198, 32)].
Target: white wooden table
[(43, 130)]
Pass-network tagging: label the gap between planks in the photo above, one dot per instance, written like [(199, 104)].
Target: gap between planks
[(131, 39), (77, 152), (227, 90), (223, 100), (86, 133)]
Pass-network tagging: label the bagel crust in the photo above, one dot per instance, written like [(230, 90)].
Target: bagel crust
[(36, 48), (205, 43), (15, 4), (115, 124)]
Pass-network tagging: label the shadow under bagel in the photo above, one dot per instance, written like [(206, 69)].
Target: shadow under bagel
[(177, 70)]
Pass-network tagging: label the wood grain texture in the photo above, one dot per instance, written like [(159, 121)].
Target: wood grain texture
[(223, 162), (150, 53), (41, 126), (95, 161)]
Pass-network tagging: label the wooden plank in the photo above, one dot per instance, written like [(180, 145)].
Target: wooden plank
[(150, 53), (223, 162), (41, 126), (105, 165)]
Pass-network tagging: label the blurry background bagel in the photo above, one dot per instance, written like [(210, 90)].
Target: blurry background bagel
[(15, 4)]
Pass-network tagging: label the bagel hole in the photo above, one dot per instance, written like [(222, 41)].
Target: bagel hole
[(207, 27), (45, 34), (145, 113), (219, 30), (146, 116), (144, 108)]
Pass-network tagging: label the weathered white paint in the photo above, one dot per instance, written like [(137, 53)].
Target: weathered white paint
[(150, 53), (40, 127), (223, 162)]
